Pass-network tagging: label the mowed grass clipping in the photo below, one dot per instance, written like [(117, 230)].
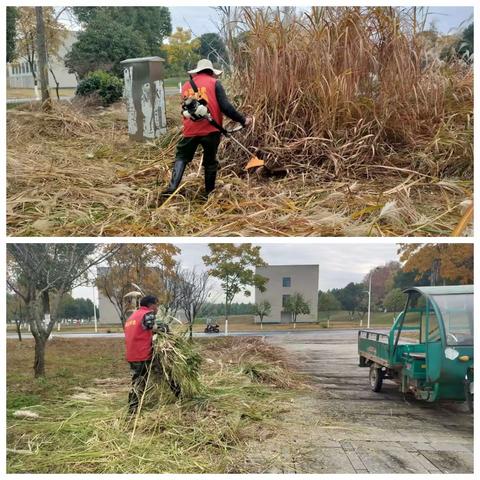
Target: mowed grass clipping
[(364, 131), (82, 426)]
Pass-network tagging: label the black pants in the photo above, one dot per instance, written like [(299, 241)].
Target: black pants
[(139, 382), (187, 147)]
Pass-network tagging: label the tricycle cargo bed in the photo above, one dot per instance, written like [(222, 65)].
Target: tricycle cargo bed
[(374, 347), (428, 351)]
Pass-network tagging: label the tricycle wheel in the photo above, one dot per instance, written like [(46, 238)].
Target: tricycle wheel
[(376, 378)]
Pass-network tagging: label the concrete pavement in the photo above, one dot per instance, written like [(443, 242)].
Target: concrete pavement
[(344, 427)]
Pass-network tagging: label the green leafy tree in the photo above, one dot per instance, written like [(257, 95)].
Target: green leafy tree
[(234, 266), (154, 24), (394, 300), (213, 47), (262, 309), (76, 308), (352, 297), (12, 15), (465, 45), (328, 303), (297, 305), (218, 309), (101, 48)]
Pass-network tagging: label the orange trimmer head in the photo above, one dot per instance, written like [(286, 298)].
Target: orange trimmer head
[(254, 162)]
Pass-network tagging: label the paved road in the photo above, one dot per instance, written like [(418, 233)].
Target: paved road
[(338, 334), (347, 428)]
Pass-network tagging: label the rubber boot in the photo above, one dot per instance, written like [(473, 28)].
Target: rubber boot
[(210, 177), (177, 174)]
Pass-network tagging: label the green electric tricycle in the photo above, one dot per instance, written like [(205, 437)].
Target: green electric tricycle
[(429, 349)]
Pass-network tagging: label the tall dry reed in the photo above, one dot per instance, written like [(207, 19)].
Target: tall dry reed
[(349, 91)]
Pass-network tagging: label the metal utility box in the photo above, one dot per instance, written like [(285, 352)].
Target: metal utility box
[(145, 96)]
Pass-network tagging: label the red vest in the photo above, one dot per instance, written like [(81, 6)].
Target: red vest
[(138, 341), (206, 90)]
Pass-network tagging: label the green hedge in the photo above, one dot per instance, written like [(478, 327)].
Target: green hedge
[(107, 86)]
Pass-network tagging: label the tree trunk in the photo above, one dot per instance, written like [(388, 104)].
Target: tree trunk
[(39, 363), (190, 330), (42, 58), (57, 85), (19, 332)]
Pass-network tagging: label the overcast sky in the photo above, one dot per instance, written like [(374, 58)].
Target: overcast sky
[(339, 263), (205, 19)]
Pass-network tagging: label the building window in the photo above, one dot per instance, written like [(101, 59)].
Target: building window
[(285, 299), (286, 282)]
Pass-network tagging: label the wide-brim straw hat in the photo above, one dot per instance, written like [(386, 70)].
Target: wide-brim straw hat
[(205, 64)]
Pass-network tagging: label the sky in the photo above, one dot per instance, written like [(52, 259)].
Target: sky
[(202, 20), (339, 263)]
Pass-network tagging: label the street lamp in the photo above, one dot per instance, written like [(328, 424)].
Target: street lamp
[(370, 294), (94, 309)]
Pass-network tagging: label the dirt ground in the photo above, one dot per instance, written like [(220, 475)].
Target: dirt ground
[(344, 427)]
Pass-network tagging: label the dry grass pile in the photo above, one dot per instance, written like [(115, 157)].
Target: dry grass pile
[(351, 91), (98, 183), (364, 133), (89, 432)]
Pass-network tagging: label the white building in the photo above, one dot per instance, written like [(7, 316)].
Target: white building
[(19, 74), (284, 281)]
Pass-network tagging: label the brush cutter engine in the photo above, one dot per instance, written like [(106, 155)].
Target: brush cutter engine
[(195, 109)]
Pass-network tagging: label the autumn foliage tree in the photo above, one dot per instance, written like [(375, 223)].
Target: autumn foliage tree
[(26, 41), (444, 262), (150, 266), (181, 52)]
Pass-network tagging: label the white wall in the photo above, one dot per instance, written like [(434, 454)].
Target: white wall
[(304, 280)]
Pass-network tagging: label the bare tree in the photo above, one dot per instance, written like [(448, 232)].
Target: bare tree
[(152, 267), (41, 274), (262, 309), (194, 291)]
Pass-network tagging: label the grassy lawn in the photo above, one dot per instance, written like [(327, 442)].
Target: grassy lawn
[(245, 323), (173, 81), (82, 425), (30, 93)]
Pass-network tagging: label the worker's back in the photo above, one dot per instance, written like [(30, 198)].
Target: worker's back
[(206, 91), (138, 339)]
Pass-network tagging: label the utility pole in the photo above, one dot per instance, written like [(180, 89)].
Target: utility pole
[(94, 309), (370, 295), (42, 58)]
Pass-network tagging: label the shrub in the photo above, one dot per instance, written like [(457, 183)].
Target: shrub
[(107, 86)]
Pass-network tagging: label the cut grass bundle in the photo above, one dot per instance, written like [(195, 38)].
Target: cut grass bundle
[(179, 363)]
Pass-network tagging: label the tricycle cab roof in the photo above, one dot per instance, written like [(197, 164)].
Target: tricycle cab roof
[(445, 290)]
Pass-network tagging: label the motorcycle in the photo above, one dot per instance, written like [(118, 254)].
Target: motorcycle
[(212, 328)]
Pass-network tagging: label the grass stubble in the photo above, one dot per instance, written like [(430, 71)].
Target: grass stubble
[(243, 386)]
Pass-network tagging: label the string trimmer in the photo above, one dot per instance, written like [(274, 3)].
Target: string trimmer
[(254, 160)]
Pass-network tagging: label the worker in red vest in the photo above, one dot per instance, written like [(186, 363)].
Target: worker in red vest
[(139, 330), (204, 104)]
